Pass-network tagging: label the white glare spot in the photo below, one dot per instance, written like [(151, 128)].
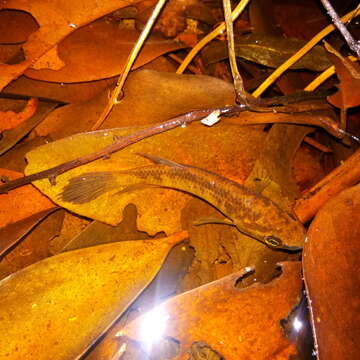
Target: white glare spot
[(212, 118), (297, 324), (74, 26), (183, 125), (153, 325)]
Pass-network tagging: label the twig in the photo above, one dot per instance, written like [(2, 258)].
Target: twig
[(52, 173), (187, 118), (211, 36), (353, 44), (114, 98), (238, 81), (299, 54)]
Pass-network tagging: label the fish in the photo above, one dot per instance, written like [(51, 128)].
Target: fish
[(250, 212)]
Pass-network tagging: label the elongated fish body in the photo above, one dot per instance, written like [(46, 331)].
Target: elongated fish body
[(252, 213)]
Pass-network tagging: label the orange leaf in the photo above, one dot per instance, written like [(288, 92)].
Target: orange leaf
[(349, 88), (331, 271), (11, 119), (238, 324), (56, 20), (97, 51), (22, 202)]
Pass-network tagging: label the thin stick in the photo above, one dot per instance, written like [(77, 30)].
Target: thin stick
[(211, 36), (131, 59), (55, 171), (353, 44), (293, 59), (181, 120), (238, 81)]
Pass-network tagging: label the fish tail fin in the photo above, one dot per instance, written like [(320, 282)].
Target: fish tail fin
[(159, 160), (87, 187)]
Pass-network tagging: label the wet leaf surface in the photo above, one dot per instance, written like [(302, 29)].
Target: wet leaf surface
[(209, 312), (11, 137), (13, 233), (56, 22), (86, 297), (35, 240), (22, 202), (269, 51), (100, 50), (331, 271), (349, 87), (143, 104)]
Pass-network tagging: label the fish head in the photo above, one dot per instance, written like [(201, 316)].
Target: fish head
[(287, 234)]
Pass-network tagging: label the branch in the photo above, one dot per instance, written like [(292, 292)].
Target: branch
[(324, 122), (353, 44)]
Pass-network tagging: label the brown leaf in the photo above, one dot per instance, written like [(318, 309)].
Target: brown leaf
[(12, 233), (207, 314), (16, 26), (9, 138), (57, 307), (349, 88), (151, 97), (34, 246), (56, 22), (22, 202), (331, 271), (67, 93), (100, 50), (10, 119), (269, 51)]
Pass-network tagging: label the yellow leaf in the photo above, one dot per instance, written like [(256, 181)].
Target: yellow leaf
[(56, 308)]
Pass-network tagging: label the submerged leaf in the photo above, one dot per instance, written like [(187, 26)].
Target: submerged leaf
[(269, 51), (56, 308), (56, 22), (238, 324), (331, 272), (100, 50)]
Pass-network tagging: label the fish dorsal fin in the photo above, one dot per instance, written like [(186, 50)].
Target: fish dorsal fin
[(159, 160)]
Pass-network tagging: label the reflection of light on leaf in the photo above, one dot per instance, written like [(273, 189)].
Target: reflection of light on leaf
[(297, 324), (153, 326)]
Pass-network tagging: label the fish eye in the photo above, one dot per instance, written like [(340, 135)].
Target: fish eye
[(272, 241)]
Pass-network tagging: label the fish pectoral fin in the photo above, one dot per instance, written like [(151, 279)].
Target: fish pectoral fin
[(159, 160), (204, 221)]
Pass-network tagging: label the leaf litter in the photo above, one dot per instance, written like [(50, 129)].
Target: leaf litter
[(71, 70)]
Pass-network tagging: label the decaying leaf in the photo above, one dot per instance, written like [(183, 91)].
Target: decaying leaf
[(331, 271), (10, 119), (57, 307), (12, 233), (63, 92), (349, 88), (56, 21), (143, 103), (100, 50), (22, 202), (9, 138), (269, 51), (235, 323), (35, 245), (211, 148)]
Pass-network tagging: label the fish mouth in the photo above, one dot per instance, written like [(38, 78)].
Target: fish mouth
[(291, 248)]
